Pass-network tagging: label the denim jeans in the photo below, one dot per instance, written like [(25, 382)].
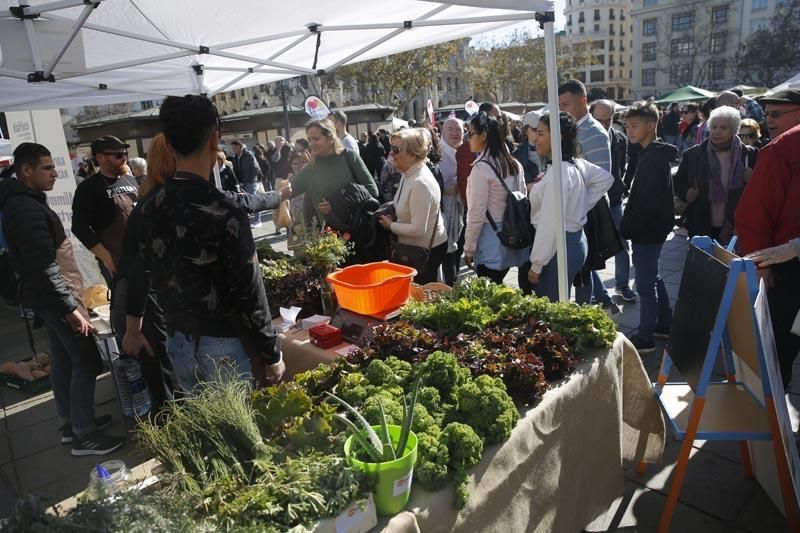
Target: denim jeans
[(622, 261), (74, 366), (195, 363), (654, 307), (251, 188), (577, 249)]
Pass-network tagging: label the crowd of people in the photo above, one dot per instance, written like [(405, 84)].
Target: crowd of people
[(178, 253)]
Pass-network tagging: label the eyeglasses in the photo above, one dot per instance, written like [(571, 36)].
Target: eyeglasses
[(747, 135), (395, 149), (776, 114), (118, 155)]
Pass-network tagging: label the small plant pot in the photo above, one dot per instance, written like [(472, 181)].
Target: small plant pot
[(393, 477)]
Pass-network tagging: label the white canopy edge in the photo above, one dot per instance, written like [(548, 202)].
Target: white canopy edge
[(129, 50)]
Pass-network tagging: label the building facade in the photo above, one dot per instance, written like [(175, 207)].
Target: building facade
[(694, 42), (604, 28)]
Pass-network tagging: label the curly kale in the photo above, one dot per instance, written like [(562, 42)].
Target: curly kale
[(431, 469), (379, 373), (353, 388), (430, 398), (485, 405), (441, 370), (391, 408), (464, 445), (423, 421), (402, 369)]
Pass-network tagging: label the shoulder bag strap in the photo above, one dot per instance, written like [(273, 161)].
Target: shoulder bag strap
[(505, 186), (435, 224)]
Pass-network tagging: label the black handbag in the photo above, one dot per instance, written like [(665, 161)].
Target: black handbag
[(413, 256), (602, 236)]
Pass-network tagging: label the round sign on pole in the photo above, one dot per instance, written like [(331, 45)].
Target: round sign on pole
[(471, 107), (316, 108)]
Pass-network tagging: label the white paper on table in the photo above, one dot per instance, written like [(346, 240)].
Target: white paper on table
[(288, 318), (315, 320)]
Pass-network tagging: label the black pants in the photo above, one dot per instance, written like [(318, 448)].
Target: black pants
[(496, 276), (522, 278), (784, 303), (431, 272), (451, 265)]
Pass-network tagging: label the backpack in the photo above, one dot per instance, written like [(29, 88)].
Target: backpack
[(517, 232)]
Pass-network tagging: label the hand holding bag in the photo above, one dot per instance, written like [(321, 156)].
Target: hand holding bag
[(412, 256)]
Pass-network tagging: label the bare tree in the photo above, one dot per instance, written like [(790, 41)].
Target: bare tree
[(771, 55)]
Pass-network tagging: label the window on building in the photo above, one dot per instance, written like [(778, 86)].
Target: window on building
[(455, 84), (611, 29), (717, 44), (597, 28), (569, 20), (262, 88), (719, 15), (648, 77), (680, 74), (682, 21), (759, 5), (581, 18), (622, 15), (611, 46), (597, 75), (611, 15), (682, 47), (438, 84), (241, 92), (610, 92), (598, 45), (650, 3), (611, 61), (596, 14), (581, 75), (449, 84), (649, 51), (580, 29), (600, 59), (758, 24), (716, 70), (649, 27)]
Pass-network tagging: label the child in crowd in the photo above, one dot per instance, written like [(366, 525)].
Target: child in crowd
[(648, 219)]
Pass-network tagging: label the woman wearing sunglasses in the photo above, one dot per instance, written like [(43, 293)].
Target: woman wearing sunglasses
[(418, 218), (750, 133)]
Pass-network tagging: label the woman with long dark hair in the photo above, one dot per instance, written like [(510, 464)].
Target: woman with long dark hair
[(487, 196), (583, 184)]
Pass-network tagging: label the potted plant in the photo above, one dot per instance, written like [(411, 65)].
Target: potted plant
[(386, 453)]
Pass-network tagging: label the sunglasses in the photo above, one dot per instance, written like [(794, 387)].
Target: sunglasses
[(747, 135), (775, 115), (118, 155), (395, 149)]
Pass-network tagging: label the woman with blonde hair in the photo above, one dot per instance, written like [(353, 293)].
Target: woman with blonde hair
[(331, 169), (418, 218)]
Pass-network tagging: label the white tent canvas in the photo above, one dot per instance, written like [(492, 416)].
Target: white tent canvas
[(127, 50), (791, 83), (96, 52)]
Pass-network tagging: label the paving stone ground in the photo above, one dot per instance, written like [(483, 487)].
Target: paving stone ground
[(716, 496)]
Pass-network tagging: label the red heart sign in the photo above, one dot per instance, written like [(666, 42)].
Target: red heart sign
[(312, 104)]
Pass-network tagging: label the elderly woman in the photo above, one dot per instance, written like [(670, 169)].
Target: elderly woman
[(452, 204), (750, 133), (418, 217), (712, 176), (487, 196)]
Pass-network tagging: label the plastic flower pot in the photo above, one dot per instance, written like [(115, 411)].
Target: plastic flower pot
[(393, 477)]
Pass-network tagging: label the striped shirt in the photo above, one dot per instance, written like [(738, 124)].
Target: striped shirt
[(594, 141)]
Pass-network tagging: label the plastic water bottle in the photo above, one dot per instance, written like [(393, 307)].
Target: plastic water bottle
[(133, 392)]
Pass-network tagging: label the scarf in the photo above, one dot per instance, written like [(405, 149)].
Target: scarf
[(716, 192)]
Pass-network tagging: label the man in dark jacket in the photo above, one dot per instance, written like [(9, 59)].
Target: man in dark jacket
[(648, 219), (247, 171), (103, 202), (672, 122), (41, 254), (603, 112)]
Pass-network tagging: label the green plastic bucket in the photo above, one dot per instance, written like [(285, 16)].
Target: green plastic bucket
[(393, 477)]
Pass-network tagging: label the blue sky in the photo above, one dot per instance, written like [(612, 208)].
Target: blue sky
[(500, 35)]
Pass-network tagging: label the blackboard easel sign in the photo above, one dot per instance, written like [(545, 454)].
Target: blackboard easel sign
[(720, 311)]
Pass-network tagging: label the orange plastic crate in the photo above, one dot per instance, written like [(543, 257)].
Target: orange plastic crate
[(372, 288)]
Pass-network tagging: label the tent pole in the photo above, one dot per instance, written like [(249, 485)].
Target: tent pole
[(73, 32), (546, 20)]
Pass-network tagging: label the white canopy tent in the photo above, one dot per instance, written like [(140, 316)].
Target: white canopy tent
[(63, 53), (791, 83)]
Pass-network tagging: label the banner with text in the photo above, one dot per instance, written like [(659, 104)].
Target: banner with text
[(44, 127)]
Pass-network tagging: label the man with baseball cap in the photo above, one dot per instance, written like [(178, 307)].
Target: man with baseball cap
[(782, 109), (103, 202)]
